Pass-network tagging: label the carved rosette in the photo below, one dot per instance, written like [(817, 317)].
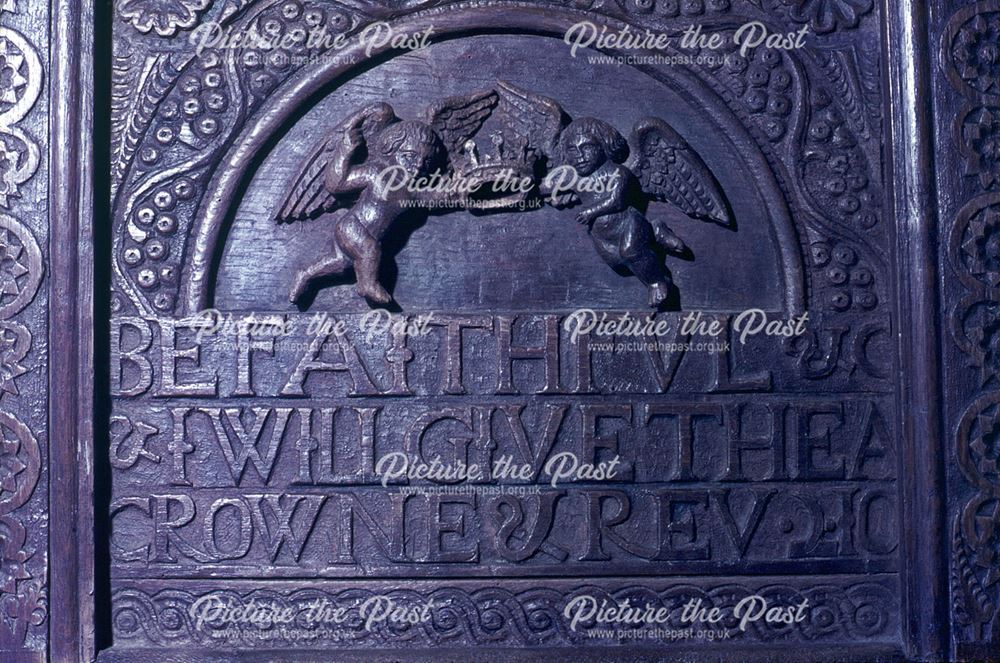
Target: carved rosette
[(970, 59), (828, 15), (164, 17)]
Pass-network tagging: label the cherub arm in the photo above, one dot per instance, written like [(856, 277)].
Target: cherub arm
[(560, 200), (341, 176), (614, 197)]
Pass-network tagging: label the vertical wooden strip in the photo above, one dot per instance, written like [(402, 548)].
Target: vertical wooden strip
[(921, 447), (70, 341)]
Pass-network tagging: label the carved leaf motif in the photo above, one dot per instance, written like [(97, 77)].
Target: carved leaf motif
[(133, 105), (971, 603), (869, 69), (22, 599), (496, 615), (841, 72)]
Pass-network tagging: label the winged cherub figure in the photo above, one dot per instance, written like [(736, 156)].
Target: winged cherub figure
[(615, 180), (347, 172)]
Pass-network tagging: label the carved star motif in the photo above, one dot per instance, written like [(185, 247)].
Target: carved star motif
[(11, 80), (977, 53), (9, 159), (10, 367), (982, 247), (984, 540), (10, 465), (984, 331), (11, 267), (982, 145)]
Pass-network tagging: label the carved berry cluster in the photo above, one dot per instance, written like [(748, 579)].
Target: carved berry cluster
[(848, 281), (148, 251), (835, 169), (674, 8)]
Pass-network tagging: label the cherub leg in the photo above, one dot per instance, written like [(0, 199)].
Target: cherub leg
[(366, 252), (607, 242), (638, 255), (328, 266), (666, 237)]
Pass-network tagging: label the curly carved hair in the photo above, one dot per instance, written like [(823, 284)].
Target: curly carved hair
[(614, 144), (392, 137)]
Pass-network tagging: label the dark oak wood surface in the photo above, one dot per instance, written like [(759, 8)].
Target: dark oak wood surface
[(146, 473)]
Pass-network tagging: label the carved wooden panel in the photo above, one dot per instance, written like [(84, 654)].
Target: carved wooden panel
[(609, 455)]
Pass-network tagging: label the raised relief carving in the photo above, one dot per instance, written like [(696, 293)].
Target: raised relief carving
[(970, 60), (20, 85), (266, 465), (828, 15), (20, 266), (489, 615), (23, 597), (981, 144), (535, 150), (15, 341), (971, 47), (172, 113), (974, 326), (129, 442), (847, 281), (165, 17), (674, 8)]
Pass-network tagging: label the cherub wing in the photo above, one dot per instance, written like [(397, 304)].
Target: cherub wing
[(669, 170), (457, 119), (308, 196), (541, 118)]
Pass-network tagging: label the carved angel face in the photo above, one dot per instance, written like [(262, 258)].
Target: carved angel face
[(411, 145), (414, 155), (584, 151)]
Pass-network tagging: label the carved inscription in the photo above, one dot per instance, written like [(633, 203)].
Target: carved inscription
[(482, 442)]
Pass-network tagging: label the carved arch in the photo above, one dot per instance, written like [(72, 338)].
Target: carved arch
[(468, 19)]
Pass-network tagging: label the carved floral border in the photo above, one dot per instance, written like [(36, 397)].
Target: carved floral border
[(23, 592), (970, 63)]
